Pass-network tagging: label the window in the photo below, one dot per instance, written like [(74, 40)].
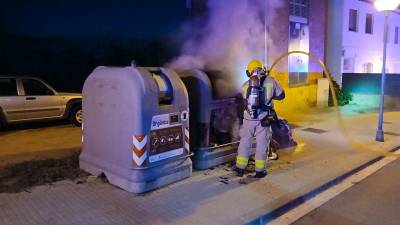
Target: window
[(299, 8), (353, 19), (35, 87), (8, 87), (396, 35), (348, 65), (297, 78), (369, 24), (368, 68)]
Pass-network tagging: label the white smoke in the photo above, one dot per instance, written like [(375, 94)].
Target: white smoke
[(233, 35)]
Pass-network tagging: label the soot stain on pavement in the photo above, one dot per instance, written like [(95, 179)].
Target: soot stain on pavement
[(23, 176)]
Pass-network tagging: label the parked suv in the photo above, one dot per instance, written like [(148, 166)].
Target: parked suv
[(30, 99)]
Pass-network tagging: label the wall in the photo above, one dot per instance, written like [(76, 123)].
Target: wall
[(366, 88), (278, 31), (298, 99), (368, 48), (334, 39), (317, 24), (303, 97)]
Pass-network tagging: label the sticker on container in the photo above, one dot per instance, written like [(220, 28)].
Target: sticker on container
[(139, 153)]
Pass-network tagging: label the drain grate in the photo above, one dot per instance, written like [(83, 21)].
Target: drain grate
[(395, 149), (392, 133), (359, 111), (315, 130)]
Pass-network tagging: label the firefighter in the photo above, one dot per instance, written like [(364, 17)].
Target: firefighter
[(258, 92)]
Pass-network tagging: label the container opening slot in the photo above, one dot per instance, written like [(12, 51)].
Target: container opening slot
[(166, 94)]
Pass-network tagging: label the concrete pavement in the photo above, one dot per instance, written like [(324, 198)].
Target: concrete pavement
[(328, 147)]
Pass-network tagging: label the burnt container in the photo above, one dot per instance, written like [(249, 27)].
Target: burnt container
[(214, 121)]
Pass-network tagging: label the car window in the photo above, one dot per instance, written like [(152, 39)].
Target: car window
[(8, 87), (35, 87)]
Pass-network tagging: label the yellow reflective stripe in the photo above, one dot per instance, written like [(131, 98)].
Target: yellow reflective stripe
[(260, 164), (244, 90), (241, 161), (268, 90)]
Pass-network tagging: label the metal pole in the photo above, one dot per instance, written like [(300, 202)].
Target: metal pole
[(379, 132)]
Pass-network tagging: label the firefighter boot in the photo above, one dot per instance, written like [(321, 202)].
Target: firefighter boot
[(239, 172), (260, 174)]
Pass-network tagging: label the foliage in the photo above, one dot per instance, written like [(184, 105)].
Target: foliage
[(343, 97)]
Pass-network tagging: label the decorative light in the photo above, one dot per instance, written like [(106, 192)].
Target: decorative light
[(386, 5)]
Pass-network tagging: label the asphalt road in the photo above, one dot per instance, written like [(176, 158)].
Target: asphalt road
[(38, 140), (373, 201)]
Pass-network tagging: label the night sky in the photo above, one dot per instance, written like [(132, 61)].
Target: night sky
[(92, 18)]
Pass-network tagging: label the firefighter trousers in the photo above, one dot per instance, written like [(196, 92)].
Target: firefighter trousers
[(263, 135)]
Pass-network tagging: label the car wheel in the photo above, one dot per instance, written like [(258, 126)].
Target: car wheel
[(75, 116), (3, 124)]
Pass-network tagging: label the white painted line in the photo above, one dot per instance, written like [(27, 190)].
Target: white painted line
[(308, 206)]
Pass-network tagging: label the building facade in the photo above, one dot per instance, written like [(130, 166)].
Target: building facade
[(300, 25), (291, 25), (355, 38)]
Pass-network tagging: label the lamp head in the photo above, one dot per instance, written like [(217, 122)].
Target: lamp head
[(386, 5)]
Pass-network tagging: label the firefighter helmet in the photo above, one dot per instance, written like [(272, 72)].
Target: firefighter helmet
[(253, 65)]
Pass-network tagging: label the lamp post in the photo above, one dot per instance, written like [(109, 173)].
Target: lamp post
[(385, 6)]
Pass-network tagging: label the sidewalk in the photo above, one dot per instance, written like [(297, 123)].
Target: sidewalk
[(326, 150)]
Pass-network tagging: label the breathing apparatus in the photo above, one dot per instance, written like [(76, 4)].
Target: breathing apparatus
[(255, 91)]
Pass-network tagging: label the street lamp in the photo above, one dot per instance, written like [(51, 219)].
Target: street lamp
[(385, 6)]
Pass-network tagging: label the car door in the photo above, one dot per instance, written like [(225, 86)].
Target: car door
[(40, 101), (11, 102)]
